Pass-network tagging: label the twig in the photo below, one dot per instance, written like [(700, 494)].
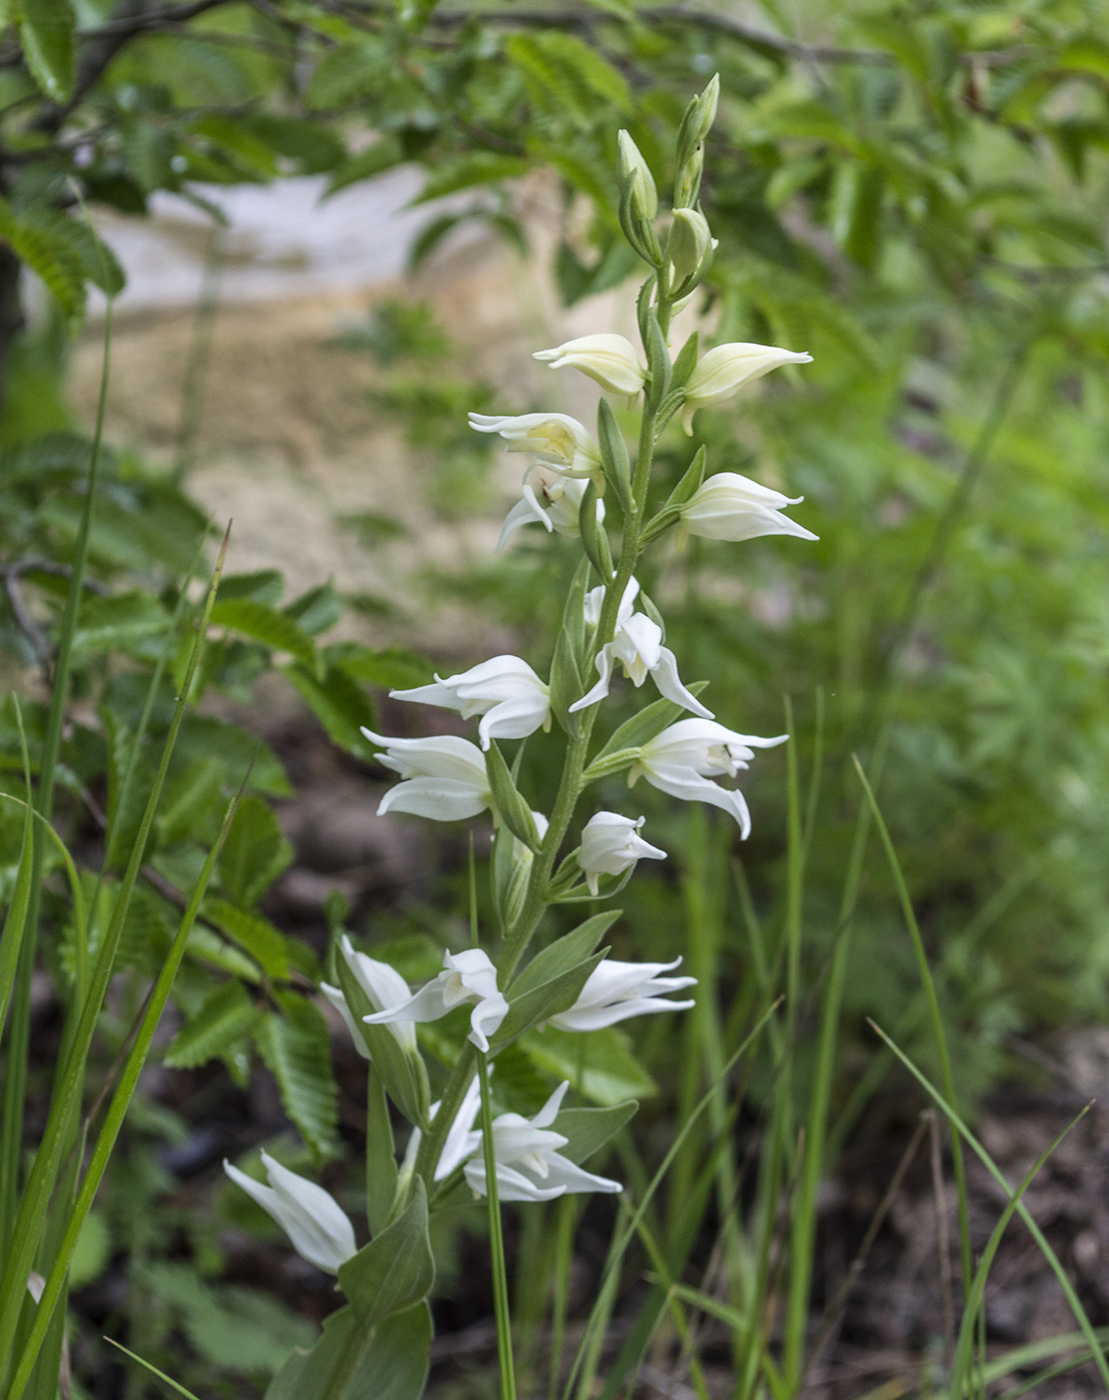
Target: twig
[(11, 574)]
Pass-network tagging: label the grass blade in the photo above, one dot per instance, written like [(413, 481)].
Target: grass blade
[(929, 987), (180, 1389), (1088, 1333)]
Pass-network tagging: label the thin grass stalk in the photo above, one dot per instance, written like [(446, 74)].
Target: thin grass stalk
[(937, 1023), (677, 1312), (973, 1309), (15, 921), (19, 1037), (1090, 1336), (200, 354), (71, 1075), (117, 1110), (621, 1242), (180, 1389)]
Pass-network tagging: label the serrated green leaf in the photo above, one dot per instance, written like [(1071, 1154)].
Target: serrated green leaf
[(266, 625), (227, 1017), (392, 668), (477, 168), (296, 1048), (252, 932), (254, 854), (118, 623), (46, 32), (338, 702)]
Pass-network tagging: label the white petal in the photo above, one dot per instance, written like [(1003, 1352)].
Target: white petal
[(514, 719), (570, 1177), (525, 512), (549, 1112), (428, 1004), (459, 1145), (436, 694), (339, 1002), (596, 1018), (440, 799), (600, 690), (511, 1185), (687, 784), (485, 1020), (381, 982), (670, 686)]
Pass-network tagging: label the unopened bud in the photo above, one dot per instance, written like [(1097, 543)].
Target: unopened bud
[(632, 169), (689, 156), (689, 248)]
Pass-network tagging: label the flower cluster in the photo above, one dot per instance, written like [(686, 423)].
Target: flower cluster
[(678, 747)]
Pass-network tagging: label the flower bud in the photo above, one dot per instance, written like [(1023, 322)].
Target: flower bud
[(609, 359), (689, 247), (726, 369), (632, 169), (696, 123)]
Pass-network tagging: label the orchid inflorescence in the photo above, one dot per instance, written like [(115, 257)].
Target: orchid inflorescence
[(609, 624)]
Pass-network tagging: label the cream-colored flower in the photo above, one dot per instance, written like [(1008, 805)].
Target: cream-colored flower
[(732, 507), (554, 438), (611, 844), (609, 359), (505, 691), (551, 499), (723, 371)]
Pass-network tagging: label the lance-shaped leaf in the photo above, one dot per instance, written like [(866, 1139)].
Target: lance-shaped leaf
[(402, 1073), (593, 537), (553, 980), (352, 1361), (565, 684), (614, 454), (266, 625), (46, 32), (513, 810), (637, 731), (586, 1130), (396, 1269)]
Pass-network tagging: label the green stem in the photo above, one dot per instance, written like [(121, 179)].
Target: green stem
[(496, 1240)]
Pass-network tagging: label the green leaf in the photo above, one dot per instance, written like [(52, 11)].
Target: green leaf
[(92, 1251), (315, 611), (118, 623), (204, 736), (588, 1129), (598, 1064), (564, 953), (266, 625), (565, 682), (296, 1047), (392, 668), (614, 453), (338, 702), (226, 1018), (381, 1160), (46, 32), (477, 168), (236, 1329), (513, 810), (396, 1269), (648, 724), (382, 155), (563, 71), (402, 1072), (252, 932), (528, 1008), (194, 796), (254, 854), (388, 1362), (261, 586)]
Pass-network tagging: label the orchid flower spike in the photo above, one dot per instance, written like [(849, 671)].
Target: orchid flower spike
[(444, 777), (312, 1218), (554, 438), (385, 988), (616, 991), (551, 499), (529, 1165), (609, 359), (611, 844), (682, 759), (732, 507), (467, 977), (505, 691), (723, 371), (637, 645)]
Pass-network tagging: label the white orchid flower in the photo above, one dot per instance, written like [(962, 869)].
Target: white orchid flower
[(312, 1218), (385, 988), (551, 499), (637, 646), (611, 844), (529, 1166), (616, 991), (457, 1146), (505, 691), (444, 777), (609, 359), (681, 760), (723, 371), (467, 977), (555, 438), (732, 507)]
